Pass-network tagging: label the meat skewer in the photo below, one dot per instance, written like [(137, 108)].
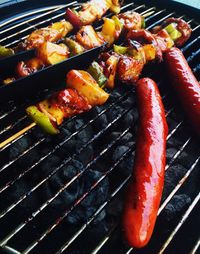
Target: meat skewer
[(126, 67), (141, 47), (153, 45), (112, 67), (90, 12), (49, 53), (82, 93)]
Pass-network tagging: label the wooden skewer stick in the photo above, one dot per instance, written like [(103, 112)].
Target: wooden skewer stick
[(148, 14), (16, 135)]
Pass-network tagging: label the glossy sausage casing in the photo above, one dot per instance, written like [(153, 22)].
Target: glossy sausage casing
[(185, 85), (146, 186)]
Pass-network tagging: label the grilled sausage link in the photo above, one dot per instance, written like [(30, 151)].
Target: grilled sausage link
[(145, 188), (185, 85)]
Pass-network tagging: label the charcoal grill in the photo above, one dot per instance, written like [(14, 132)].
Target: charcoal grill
[(64, 194)]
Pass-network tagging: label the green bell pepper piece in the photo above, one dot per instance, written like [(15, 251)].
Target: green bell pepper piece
[(5, 52), (173, 32), (120, 49), (118, 24), (96, 72), (41, 120), (74, 47), (143, 23)]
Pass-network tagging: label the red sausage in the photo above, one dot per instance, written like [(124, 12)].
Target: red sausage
[(185, 85), (146, 186)]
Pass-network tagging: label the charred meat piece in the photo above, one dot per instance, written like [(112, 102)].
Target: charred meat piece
[(180, 25), (145, 37), (71, 102), (131, 20), (164, 40), (110, 70), (47, 54), (24, 69), (52, 33), (129, 69), (39, 36), (88, 38), (64, 104), (91, 11)]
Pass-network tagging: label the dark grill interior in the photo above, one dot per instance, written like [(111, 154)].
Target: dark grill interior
[(64, 194)]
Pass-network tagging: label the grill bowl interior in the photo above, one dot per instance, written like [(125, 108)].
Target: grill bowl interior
[(64, 194)]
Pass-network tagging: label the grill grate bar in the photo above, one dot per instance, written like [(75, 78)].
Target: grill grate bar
[(178, 153), (196, 69), (104, 241), (184, 218), (157, 22), (190, 58), (11, 126), (196, 247), (55, 8), (7, 113), (34, 214), (129, 251), (155, 14), (22, 154), (174, 130), (10, 250), (148, 10), (197, 27), (64, 141), (190, 21), (191, 43)]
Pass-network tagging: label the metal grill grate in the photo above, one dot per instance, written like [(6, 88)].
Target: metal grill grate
[(64, 194)]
